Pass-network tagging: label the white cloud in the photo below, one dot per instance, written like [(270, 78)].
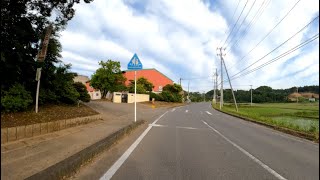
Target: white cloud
[(179, 38)]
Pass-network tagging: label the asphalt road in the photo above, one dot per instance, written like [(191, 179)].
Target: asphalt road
[(198, 142)]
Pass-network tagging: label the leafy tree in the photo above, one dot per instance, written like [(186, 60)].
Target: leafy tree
[(175, 88), (82, 90), (63, 83), (23, 24), (144, 86), (108, 77)]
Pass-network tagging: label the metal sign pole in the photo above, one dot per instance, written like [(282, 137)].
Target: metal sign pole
[(38, 87), (40, 58), (135, 64), (135, 96)]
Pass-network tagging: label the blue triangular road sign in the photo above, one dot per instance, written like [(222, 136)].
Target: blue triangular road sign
[(135, 63)]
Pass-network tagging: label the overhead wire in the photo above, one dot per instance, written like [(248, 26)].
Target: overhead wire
[(251, 23), (231, 19), (281, 56), (299, 46), (235, 23), (244, 19), (268, 33), (278, 46)]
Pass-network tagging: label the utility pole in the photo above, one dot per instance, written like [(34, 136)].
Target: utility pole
[(222, 63), (188, 88), (221, 89), (297, 95), (251, 94), (180, 81), (214, 87)]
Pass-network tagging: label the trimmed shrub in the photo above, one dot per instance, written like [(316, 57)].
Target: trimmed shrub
[(16, 99), (82, 90)]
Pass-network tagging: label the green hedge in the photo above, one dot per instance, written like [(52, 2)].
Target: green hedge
[(15, 99)]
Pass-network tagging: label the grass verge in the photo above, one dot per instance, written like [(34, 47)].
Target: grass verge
[(298, 119), (47, 113)]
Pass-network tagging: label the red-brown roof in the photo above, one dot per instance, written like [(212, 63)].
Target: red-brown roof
[(153, 76)]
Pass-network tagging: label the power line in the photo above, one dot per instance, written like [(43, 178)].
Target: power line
[(238, 30), (282, 55), (235, 23), (251, 23), (231, 19), (278, 46), (268, 32), (299, 46)]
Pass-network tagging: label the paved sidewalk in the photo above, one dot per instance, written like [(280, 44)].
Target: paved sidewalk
[(21, 159)]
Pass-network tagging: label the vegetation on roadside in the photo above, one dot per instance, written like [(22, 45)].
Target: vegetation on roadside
[(143, 86), (108, 77), (23, 26), (302, 117), (262, 94), (47, 113), (170, 93)]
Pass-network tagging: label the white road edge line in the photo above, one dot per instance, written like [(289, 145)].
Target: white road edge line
[(273, 172), (208, 112), (187, 110), (114, 168)]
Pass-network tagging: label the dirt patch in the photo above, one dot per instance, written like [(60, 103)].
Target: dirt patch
[(159, 104), (47, 113)]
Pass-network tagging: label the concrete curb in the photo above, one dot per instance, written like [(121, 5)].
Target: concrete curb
[(282, 129), (27, 131), (69, 165)]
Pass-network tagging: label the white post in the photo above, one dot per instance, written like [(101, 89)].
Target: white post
[(38, 87), (135, 96)]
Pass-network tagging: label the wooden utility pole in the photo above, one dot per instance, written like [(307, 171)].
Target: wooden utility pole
[(222, 63), (251, 95)]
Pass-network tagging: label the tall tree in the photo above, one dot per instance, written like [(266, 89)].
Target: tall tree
[(23, 23), (108, 78)]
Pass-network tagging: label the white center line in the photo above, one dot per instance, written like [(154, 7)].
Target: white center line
[(157, 125), (113, 169), (273, 172), (208, 112), (187, 110), (180, 127)]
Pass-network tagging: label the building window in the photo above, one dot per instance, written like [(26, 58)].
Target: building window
[(160, 88), (97, 94)]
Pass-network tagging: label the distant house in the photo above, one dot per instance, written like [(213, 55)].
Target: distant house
[(304, 95), (158, 79), (94, 94), (312, 99)]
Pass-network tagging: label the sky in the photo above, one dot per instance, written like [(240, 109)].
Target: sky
[(180, 39)]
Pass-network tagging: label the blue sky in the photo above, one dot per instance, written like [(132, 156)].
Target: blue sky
[(179, 38)]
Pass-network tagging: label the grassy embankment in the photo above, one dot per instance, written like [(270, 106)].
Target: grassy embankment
[(301, 117)]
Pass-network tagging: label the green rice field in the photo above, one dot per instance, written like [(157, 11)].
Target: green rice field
[(302, 117)]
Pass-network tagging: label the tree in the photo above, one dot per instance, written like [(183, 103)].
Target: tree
[(82, 90), (108, 77), (23, 24), (175, 88), (142, 84)]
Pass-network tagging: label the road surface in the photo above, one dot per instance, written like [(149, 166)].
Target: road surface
[(198, 142)]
